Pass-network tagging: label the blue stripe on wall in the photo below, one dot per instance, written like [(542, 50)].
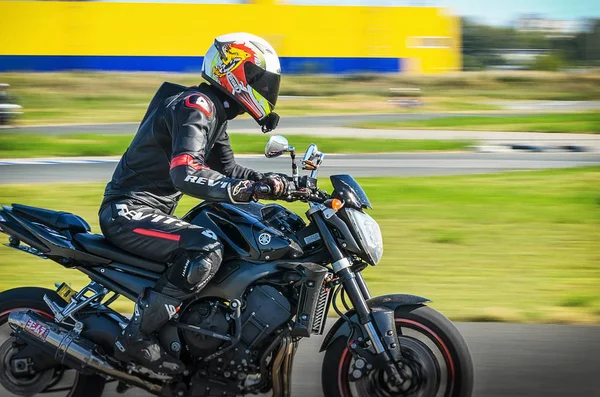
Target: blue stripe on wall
[(50, 63), (295, 65), (291, 65)]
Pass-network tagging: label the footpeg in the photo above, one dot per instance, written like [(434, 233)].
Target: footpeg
[(122, 387)]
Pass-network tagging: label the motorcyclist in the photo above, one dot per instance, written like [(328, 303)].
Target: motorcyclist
[(182, 147)]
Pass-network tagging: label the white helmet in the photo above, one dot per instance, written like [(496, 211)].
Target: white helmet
[(246, 68)]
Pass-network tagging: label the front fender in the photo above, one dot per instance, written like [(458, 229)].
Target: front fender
[(391, 302)]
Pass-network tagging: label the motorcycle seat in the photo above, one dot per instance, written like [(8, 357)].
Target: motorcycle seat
[(96, 244), (58, 220)]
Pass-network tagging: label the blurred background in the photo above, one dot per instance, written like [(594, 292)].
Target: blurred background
[(472, 125)]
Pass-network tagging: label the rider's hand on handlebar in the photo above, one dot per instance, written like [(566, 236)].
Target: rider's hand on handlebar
[(298, 194), (271, 187)]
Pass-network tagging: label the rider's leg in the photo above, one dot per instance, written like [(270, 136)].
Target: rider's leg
[(194, 254), (137, 343)]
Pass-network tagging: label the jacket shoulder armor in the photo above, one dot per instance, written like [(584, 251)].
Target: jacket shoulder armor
[(200, 102)]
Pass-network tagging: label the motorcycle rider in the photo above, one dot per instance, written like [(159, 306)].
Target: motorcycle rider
[(182, 147)]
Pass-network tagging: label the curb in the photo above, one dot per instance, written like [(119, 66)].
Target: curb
[(504, 148)]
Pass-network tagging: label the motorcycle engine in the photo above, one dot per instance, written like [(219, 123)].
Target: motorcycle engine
[(209, 315), (266, 310), (263, 312)]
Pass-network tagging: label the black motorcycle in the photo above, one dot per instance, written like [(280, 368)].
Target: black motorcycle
[(239, 335)]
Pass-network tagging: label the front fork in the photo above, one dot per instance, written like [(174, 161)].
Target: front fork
[(376, 324), (360, 280)]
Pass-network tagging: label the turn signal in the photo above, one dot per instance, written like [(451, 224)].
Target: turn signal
[(336, 204)]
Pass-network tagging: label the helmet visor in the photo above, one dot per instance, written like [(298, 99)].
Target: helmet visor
[(265, 83)]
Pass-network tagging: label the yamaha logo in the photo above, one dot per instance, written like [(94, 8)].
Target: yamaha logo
[(264, 238)]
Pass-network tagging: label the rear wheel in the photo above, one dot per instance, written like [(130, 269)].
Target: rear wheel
[(53, 382), (435, 361)]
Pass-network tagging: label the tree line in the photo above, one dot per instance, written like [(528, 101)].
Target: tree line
[(483, 45)]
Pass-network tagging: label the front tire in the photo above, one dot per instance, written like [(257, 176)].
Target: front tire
[(32, 298), (427, 339)]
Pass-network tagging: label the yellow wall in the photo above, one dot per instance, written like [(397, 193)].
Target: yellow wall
[(162, 29)]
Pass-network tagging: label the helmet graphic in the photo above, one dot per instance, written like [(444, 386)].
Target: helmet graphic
[(247, 68)]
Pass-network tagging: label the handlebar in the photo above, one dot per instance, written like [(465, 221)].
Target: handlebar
[(305, 194), (295, 194)]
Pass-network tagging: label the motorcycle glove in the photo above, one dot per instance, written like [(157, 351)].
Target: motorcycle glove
[(277, 187)]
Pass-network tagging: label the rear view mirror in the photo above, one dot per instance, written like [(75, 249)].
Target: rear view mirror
[(276, 146), (312, 153)]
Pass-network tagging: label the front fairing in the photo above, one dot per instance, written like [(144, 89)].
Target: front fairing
[(349, 191)]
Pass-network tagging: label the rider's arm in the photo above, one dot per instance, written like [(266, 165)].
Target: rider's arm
[(191, 121), (221, 159)]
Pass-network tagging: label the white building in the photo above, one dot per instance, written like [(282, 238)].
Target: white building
[(550, 27)]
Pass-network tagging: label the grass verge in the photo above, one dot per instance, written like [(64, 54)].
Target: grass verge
[(507, 247), (84, 97), (562, 122), (26, 145)]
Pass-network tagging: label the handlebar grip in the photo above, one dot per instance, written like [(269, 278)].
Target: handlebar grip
[(264, 189)]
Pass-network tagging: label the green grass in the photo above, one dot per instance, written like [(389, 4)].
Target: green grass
[(561, 122), (26, 145), (84, 97), (521, 246)]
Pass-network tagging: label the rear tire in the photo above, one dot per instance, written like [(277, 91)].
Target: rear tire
[(454, 377), (32, 298)]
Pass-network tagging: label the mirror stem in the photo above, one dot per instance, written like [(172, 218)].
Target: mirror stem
[(294, 167)]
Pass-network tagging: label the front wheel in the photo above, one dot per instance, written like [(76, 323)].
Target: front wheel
[(435, 361), (58, 381)]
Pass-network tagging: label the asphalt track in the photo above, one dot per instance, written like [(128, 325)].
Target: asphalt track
[(510, 360), (358, 165), (242, 123), (246, 123), (336, 126)]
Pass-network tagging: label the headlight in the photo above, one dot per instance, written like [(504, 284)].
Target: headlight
[(368, 233)]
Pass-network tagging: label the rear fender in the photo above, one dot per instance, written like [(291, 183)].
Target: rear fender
[(390, 302)]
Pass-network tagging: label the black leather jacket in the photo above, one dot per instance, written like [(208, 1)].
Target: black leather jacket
[(181, 147)]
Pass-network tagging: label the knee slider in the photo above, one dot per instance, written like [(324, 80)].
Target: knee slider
[(203, 266)]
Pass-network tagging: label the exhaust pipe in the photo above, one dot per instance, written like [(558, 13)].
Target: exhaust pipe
[(282, 368), (68, 348)]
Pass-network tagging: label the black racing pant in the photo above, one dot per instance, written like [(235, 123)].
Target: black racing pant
[(193, 253)]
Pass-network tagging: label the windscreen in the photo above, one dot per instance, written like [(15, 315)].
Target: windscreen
[(348, 190)]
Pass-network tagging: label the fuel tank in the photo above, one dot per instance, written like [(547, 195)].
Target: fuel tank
[(251, 231)]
